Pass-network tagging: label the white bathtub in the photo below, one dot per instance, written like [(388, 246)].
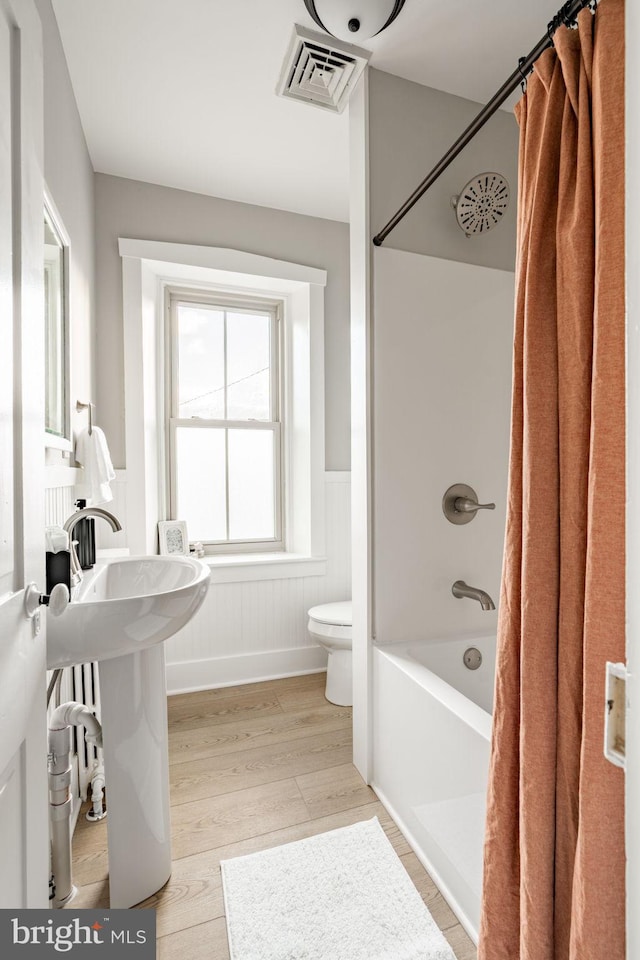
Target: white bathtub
[(431, 733)]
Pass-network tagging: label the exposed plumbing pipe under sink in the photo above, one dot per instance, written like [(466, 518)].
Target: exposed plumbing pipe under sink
[(60, 801), (97, 811)]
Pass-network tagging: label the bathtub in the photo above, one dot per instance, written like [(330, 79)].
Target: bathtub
[(431, 735)]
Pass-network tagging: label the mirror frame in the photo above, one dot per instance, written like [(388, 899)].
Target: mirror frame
[(52, 440)]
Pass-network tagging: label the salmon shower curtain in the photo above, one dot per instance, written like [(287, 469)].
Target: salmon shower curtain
[(554, 849)]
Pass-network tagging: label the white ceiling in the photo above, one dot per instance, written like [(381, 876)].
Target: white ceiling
[(181, 92)]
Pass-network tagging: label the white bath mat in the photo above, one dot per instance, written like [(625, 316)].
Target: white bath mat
[(342, 895)]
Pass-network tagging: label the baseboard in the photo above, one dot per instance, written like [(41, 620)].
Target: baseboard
[(191, 675), (426, 863)]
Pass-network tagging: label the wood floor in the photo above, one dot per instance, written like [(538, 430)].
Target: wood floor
[(251, 767)]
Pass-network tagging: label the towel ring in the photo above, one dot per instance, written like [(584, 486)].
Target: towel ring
[(86, 406)]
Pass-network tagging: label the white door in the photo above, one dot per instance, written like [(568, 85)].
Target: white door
[(23, 782)]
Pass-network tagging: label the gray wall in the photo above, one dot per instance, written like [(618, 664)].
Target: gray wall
[(411, 127), (68, 173), (128, 208)]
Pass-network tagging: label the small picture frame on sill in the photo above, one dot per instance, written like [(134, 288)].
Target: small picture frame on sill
[(172, 535)]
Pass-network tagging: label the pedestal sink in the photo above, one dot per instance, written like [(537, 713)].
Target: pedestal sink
[(125, 605), (120, 615)]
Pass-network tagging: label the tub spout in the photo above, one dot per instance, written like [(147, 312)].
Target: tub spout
[(461, 589)]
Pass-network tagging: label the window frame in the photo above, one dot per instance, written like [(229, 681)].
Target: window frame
[(227, 301), (52, 439)]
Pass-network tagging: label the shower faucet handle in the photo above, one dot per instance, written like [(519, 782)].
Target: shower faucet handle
[(460, 504), (467, 505)]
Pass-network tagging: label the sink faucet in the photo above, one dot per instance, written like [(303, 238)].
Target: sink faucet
[(462, 589), (69, 526)]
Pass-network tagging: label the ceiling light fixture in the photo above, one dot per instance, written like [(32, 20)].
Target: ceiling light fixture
[(348, 21)]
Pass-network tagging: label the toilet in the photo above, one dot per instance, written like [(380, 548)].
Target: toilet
[(330, 626)]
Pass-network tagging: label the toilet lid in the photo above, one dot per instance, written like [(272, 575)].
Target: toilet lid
[(337, 614)]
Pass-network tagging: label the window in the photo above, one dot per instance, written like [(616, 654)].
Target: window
[(153, 270), (225, 429)]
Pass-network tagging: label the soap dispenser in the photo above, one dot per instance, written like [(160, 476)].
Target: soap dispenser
[(58, 566)]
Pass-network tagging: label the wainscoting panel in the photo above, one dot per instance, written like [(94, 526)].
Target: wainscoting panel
[(258, 630), (245, 631), (61, 492), (59, 503)]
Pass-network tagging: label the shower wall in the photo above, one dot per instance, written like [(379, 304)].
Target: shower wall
[(410, 127), (442, 334), (431, 330)]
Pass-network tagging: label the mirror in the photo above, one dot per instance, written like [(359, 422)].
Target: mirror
[(56, 415)]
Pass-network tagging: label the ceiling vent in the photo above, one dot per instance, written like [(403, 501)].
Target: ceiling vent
[(318, 72)]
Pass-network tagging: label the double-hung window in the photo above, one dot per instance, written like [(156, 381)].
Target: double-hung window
[(225, 428)]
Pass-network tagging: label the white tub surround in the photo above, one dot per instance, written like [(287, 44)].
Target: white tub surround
[(431, 736), (443, 345)]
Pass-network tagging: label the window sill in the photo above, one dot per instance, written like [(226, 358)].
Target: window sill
[(237, 568)]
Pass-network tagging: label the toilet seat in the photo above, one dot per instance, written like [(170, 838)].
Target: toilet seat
[(335, 614)]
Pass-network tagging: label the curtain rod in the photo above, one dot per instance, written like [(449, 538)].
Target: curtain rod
[(566, 17)]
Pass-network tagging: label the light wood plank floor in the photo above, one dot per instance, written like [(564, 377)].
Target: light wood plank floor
[(251, 767)]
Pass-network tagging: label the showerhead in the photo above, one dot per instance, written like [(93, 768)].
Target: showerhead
[(482, 203)]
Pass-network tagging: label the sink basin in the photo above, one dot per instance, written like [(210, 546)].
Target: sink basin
[(126, 605)]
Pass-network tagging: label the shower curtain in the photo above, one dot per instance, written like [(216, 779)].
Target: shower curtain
[(554, 846)]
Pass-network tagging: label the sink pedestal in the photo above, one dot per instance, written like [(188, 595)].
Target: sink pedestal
[(133, 692)]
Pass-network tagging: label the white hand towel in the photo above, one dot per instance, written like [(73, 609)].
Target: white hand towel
[(93, 454)]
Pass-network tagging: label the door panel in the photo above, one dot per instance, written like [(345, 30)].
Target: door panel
[(23, 783), (13, 887)]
